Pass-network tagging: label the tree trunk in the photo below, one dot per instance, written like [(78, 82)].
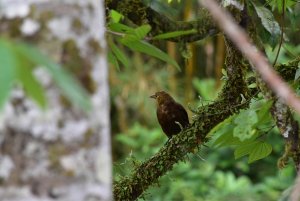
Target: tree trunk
[(63, 152)]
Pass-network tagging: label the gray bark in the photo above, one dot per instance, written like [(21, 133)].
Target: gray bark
[(61, 153)]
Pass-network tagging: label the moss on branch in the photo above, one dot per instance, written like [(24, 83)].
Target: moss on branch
[(207, 117)]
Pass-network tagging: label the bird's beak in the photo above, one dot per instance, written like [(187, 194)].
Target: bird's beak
[(153, 96)]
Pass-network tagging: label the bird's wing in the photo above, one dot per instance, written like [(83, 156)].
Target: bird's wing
[(181, 115)]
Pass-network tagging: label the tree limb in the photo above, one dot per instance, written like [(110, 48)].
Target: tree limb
[(207, 117)]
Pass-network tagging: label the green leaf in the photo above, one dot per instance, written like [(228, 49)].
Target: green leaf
[(129, 38), (7, 70), (115, 16), (118, 27), (151, 50), (226, 137), (244, 149), (174, 34), (142, 31), (263, 113), (268, 20), (32, 87), (243, 132), (70, 87), (259, 151), (244, 124), (119, 54), (217, 130), (113, 60), (24, 73)]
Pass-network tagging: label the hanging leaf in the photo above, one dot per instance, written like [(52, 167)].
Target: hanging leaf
[(113, 60), (119, 54), (268, 20), (151, 50), (70, 87), (32, 87), (7, 69)]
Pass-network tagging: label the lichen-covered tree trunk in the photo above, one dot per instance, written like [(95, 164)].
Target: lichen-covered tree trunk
[(63, 152)]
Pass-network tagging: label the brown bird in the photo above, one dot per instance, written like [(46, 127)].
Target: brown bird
[(170, 114)]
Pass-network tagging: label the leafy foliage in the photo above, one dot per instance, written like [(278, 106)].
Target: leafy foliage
[(249, 136), (242, 131), (269, 23), (134, 39)]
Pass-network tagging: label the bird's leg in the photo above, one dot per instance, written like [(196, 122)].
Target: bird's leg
[(181, 128), (169, 138)]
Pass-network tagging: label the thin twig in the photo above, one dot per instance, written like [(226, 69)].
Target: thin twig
[(115, 33)]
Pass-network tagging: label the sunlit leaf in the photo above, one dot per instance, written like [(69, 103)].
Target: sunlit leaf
[(115, 16), (142, 31)]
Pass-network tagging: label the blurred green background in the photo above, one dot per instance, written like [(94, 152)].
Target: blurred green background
[(212, 174)]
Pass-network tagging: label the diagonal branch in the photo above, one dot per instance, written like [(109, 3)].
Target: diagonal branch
[(259, 61)]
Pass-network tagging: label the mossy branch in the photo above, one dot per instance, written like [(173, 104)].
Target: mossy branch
[(148, 173), (140, 14)]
